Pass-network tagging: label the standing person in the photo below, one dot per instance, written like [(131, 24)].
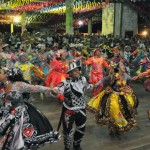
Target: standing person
[(73, 110), (97, 62), (116, 105), (21, 124)]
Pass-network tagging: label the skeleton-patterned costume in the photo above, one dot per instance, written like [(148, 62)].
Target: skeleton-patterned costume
[(22, 125), (73, 109)]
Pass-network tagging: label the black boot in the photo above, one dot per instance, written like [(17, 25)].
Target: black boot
[(111, 131), (77, 147), (66, 148)]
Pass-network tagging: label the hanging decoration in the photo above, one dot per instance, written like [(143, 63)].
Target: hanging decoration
[(53, 11), (37, 6), (60, 9), (14, 3), (27, 5)]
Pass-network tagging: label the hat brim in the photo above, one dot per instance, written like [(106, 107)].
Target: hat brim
[(79, 67)]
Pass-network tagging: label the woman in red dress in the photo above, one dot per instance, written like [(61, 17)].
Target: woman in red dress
[(59, 70), (97, 62)]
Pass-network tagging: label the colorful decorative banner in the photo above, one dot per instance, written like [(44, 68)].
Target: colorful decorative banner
[(53, 11)]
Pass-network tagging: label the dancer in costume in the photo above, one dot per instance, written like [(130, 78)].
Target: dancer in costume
[(116, 105), (144, 64), (21, 124), (96, 74), (59, 71), (26, 67), (74, 104), (146, 83), (42, 65)]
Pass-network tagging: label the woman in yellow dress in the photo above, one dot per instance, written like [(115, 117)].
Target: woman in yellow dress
[(116, 105)]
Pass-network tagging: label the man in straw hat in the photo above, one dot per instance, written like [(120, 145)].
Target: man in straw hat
[(74, 105)]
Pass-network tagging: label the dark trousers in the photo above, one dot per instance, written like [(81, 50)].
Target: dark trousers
[(70, 135)]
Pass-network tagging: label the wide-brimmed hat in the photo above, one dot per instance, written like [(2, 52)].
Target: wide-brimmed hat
[(73, 66)]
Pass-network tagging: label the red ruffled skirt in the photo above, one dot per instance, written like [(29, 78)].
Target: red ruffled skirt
[(54, 78), (94, 78)]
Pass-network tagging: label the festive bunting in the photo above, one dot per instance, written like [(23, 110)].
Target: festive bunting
[(53, 11)]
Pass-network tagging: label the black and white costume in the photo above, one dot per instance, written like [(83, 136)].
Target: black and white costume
[(73, 109), (21, 124)]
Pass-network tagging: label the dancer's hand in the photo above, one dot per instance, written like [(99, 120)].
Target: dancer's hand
[(54, 91)]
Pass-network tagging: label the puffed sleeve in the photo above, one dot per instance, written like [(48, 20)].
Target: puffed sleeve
[(24, 87)]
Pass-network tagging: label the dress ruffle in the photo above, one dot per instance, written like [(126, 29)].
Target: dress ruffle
[(25, 127), (115, 109)]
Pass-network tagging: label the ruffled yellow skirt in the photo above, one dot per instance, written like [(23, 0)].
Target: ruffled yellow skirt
[(115, 109)]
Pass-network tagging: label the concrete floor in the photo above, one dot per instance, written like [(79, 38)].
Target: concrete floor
[(96, 137)]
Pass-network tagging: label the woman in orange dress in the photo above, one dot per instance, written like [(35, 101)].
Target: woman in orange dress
[(97, 62)]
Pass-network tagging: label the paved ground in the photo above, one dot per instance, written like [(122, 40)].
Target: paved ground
[(96, 137)]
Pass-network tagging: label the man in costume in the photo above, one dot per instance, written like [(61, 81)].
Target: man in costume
[(73, 106)]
